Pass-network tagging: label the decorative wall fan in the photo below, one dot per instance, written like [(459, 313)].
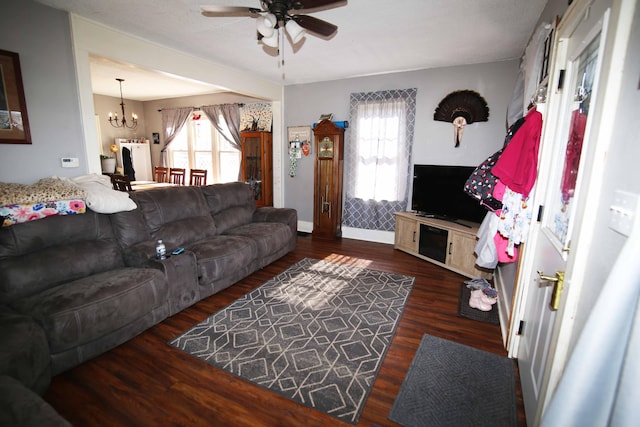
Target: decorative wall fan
[(462, 108), (275, 14)]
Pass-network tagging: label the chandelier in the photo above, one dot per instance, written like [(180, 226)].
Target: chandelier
[(122, 123)]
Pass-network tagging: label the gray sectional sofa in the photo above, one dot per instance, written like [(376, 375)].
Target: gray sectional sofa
[(73, 287)]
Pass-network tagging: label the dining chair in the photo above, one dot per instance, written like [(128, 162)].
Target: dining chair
[(176, 176), (160, 174), (121, 183), (198, 177)]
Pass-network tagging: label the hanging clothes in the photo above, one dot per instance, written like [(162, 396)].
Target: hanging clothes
[(127, 164), (515, 218), (485, 248), (481, 182), (517, 167)]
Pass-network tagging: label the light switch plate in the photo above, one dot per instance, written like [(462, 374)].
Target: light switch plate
[(623, 211)]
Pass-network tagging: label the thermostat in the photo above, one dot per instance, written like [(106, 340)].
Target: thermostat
[(70, 162)]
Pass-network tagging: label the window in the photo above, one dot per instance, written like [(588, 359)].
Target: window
[(379, 162), (378, 158), (199, 145)]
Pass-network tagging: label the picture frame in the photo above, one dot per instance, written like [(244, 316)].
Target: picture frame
[(14, 121)]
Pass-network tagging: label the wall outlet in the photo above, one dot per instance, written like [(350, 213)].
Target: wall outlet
[(70, 162)]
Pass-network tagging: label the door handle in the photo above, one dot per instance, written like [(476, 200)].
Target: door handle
[(558, 284)]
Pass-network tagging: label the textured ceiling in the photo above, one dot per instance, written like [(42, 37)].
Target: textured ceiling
[(374, 36)]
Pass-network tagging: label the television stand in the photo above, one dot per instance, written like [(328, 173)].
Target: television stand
[(444, 218), (449, 244)]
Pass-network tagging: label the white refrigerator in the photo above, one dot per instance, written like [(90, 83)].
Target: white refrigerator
[(140, 155)]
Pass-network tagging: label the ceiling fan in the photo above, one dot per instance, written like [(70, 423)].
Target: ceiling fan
[(276, 13)]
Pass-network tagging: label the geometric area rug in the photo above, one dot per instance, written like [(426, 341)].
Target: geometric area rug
[(316, 333), (450, 384)]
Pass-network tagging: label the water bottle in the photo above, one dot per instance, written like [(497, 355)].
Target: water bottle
[(161, 250)]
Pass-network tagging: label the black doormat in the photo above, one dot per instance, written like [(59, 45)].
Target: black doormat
[(473, 313), (450, 384)]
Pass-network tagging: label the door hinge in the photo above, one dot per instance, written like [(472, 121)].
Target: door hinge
[(520, 327), (540, 213)]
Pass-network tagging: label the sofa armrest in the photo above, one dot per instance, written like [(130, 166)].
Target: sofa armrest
[(286, 216), (180, 272), (25, 350)]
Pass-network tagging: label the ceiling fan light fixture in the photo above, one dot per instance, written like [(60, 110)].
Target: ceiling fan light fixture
[(272, 40), (295, 31), (266, 24)]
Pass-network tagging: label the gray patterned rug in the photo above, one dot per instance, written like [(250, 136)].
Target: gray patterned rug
[(450, 384), (316, 333)]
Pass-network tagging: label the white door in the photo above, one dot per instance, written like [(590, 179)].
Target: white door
[(548, 261)]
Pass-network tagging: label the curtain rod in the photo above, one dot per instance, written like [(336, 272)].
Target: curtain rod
[(241, 104)]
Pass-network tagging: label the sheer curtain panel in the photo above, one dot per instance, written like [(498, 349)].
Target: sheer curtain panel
[(173, 119), (378, 158)]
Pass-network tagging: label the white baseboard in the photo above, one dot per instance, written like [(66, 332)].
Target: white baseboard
[(305, 226), (387, 237)]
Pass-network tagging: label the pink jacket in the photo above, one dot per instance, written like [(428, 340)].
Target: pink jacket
[(517, 166)]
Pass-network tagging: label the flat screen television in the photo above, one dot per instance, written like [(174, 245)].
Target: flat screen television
[(438, 192)]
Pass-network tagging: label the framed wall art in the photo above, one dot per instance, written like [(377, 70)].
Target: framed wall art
[(14, 122)]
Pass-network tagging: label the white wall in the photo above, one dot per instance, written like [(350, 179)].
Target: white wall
[(41, 36), (433, 141)]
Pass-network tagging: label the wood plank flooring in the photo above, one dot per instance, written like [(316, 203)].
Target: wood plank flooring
[(146, 382)]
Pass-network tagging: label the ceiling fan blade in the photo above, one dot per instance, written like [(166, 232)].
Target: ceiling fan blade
[(215, 11), (317, 4), (315, 25)]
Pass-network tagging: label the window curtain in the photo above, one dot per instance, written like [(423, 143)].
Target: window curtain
[(378, 158), (173, 119), (231, 115)]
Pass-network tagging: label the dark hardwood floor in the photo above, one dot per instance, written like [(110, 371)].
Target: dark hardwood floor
[(146, 382)]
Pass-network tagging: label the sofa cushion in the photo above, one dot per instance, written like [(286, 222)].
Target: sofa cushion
[(42, 254), (219, 256), (25, 351), (86, 309), (268, 236), (177, 215), (230, 205), (129, 227)]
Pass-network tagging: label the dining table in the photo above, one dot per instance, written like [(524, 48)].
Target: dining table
[(148, 185)]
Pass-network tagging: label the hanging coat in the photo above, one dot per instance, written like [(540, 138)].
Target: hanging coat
[(517, 166), (127, 164)]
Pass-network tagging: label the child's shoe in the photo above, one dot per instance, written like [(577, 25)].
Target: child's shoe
[(475, 301)]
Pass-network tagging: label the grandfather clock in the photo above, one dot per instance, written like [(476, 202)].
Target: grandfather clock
[(327, 192)]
